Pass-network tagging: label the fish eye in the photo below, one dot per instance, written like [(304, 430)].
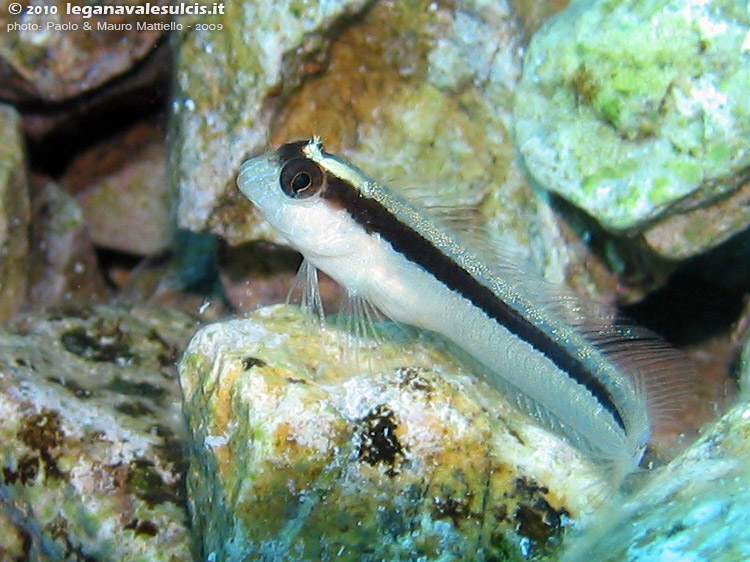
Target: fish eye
[(301, 178)]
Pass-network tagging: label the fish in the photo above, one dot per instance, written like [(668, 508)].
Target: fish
[(584, 379)]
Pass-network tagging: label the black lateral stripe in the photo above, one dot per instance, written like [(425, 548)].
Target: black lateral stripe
[(376, 218)]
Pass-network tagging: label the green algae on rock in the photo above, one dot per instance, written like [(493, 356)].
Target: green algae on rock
[(91, 429), (636, 109), (298, 454)]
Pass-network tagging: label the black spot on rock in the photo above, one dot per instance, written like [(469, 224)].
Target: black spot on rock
[(42, 433), (414, 379), (377, 439), (71, 385), (10, 476), (147, 528), (140, 388), (105, 348), (146, 483), (454, 508), (134, 409), (28, 468), (250, 362), (167, 361), (538, 522), (27, 542), (171, 449), (534, 517)]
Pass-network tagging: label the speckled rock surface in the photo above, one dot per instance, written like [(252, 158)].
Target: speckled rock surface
[(297, 454), (63, 268), (121, 185), (221, 105), (91, 464), (14, 214), (52, 56), (416, 94), (695, 509), (636, 109)]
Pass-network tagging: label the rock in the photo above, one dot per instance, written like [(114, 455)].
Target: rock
[(121, 186), (222, 104), (63, 266), (11, 539), (698, 230), (696, 508), (91, 464), (52, 56), (14, 214), (298, 454), (533, 13), (742, 334), (62, 128), (636, 110)]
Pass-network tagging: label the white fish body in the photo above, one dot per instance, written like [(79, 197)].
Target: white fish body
[(387, 251)]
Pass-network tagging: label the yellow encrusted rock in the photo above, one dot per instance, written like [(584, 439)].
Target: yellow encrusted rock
[(302, 450)]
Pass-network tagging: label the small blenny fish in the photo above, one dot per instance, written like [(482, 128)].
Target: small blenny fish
[(586, 381)]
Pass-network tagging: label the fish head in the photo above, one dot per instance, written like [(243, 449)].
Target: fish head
[(289, 186)]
